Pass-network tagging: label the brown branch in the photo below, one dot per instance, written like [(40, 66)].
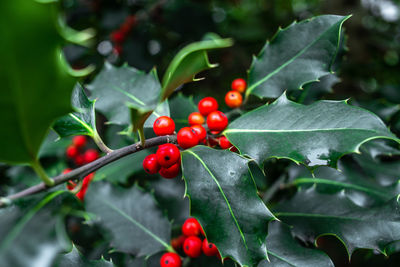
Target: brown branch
[(83, 171)]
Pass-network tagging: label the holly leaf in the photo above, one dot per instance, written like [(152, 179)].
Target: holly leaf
[(284, 250), (314, 135), (82, 122), (223, 197), (33, 232), (296, 55), (161, 110), (125, 95), (313, 214), (189, 61), (135, 223), (25, 117), (74, 258)]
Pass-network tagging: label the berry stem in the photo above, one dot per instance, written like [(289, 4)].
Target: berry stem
[(141, 136), (101, 145), (37, 167)]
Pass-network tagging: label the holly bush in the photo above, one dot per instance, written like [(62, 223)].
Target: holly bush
[(137, 172)]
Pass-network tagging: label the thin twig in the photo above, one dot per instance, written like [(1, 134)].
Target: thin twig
[(83, 171)]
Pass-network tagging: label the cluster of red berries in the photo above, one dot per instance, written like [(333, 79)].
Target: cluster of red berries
[(233, 98), (191, 244), (118, 36), (79, 157)]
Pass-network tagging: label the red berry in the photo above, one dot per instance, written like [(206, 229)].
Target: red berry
[(168, 155), (187, 137), (191, 227), (224, 142), (200, 131), (239, 85), (163, 126), (170, 259), (207, 105), (91, 155), (170, 172), (80, 160), (177, 242), (72, 151), (196, 118), (117, 36), (79, 141), (150, 164), (85, 183), (217, 121), (209, 249), (192, 246), (233, 99)]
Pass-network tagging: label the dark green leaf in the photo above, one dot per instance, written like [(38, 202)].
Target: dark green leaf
[(131, 216), (317, 134), (35, 86), (33, 233), (313, 214), (300, 54), (223, 197), (75, 259), (284, 250), (118, 89), (81, 122), (191, 60), (53, 145)]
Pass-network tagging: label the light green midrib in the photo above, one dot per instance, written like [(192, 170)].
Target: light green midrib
[(129, 95), (313, 215), (253, 86), (84, 124), (223, 194), (295, 131), (345, 185), (25, 219), (126, 216), (281, 258)]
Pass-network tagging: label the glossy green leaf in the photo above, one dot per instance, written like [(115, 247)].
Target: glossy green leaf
[(33, 233), (76, 259), (313, 214), (81, 122), (36, 85), (135, 223), (181, 106), (125, 94), (297, 55), (314, 135), (223, 197), (285, 251), (189, 61)]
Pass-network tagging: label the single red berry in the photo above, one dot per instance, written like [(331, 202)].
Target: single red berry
[(209, 249), (196, 118), (192, 246), (187, 137), (163, 126), (79, 141), (117, 36), (233, 99), (217, 121), (191, 227), (72, 151), (91, 155), (170, 172), (207, 105), (239, 85), (80, 160), (168, 155), (224, 142), (177, 242), (170, 259), (85, 184), (150, 164), (200, 131)]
